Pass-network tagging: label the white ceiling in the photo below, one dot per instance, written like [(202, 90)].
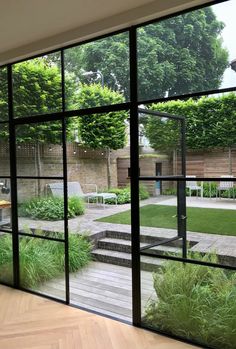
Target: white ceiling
[(32, 26)]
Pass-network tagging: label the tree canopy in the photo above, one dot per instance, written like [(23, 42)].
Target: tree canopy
[(100, 130), (211, 123), (179, 55), (36, 90)]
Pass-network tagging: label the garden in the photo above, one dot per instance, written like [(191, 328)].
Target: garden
[(202, 220), (43, 260), (195, 302)]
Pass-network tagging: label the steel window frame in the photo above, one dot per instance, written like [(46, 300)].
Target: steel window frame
[(133, 105)]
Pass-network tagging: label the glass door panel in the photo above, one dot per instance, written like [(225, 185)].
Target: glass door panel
[(163, 215)]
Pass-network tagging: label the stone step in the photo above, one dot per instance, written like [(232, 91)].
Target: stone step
[(122, 245), (124, 259), (145, 237)]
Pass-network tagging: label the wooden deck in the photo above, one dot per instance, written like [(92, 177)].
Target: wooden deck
[(104, 288)]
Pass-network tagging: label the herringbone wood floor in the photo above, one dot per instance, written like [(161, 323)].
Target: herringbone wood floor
[(31, 322)]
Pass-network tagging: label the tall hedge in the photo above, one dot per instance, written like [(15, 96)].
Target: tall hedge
[(211, 123)]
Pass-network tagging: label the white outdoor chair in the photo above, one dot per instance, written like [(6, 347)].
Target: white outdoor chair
[(225, 186), (193, 186), (75, 189)]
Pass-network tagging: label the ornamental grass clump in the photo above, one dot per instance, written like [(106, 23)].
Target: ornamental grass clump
[(195, 302), (42, 260)]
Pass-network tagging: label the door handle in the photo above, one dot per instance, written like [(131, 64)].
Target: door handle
[(183, 217)]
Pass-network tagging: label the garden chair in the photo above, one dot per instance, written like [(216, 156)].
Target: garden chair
[(193, 186), (225, 186), (75, 189)]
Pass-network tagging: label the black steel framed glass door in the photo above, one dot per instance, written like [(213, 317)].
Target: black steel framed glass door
[(166, 135), (162, 220)]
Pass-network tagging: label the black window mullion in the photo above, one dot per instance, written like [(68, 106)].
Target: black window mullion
[(134, 180), (65, 179), (14, 211)]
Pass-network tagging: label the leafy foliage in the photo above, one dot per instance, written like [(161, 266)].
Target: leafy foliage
[(175, 56), (51, 208), (100, 130), (3, 94), (42, 260), (124, 195), (211, 123), (109, 55), (36, 87), (195, 302)]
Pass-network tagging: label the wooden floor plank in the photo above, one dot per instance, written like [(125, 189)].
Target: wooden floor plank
[(104, 288), (32, 322)]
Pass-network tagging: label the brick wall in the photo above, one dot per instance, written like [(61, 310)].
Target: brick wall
[(90, 166), (84, 165)]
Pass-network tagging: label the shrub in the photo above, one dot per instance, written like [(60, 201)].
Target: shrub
[(143, 192), (209, 189), (51, 208), (124, 195), (195, 302), (170, 191), (76, 206), (42, 260)]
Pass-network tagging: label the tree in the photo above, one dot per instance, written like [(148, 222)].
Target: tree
[(36, 90), (109, 55), (211, 124), (179, 55), (101, 130)]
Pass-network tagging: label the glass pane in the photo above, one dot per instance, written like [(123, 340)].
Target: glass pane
[(39, 149), (4, 150), (41, 207), (5, 203), (101, 176), (159, 143), (187, 53), (3, 94), (37, 86), (97, 73), (190, 301), (6, 258), (158, 218), (211, 220), (42, 266), (210, 135)]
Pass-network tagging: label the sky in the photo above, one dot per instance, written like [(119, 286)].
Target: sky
[(226, 12)]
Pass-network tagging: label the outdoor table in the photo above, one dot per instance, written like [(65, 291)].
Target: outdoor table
[(3, 204), (104, 197)]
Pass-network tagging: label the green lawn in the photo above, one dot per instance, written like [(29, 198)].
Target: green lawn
[(204, 220)]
